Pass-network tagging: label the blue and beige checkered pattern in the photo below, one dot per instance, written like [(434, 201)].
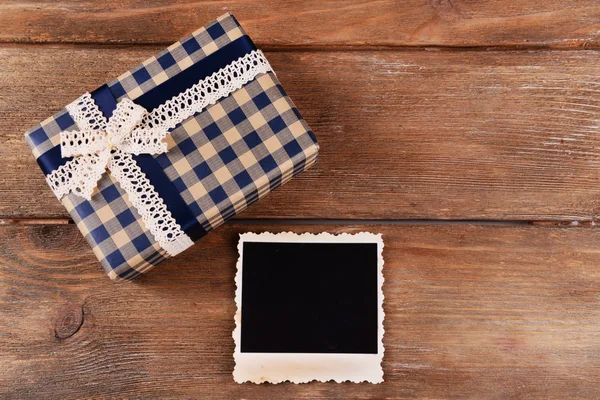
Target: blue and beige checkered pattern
[(177, 57), (220, 160), (115, 231), (238, 150)]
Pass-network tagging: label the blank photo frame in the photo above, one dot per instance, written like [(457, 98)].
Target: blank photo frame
[(309, 307)]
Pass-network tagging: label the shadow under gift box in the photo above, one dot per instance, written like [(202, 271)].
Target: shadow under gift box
[(218, 162)]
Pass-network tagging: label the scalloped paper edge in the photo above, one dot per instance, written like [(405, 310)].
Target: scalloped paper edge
[(300, 367)]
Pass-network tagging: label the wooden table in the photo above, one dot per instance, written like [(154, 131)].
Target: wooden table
[(466, 132)]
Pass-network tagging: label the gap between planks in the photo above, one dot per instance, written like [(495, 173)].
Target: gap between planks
[(263, 221), (323, 48)]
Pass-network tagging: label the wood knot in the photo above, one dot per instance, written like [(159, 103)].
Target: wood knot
[(69, 321), (56, 238)]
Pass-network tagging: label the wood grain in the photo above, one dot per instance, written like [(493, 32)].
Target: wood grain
[(523, 23), (404, 135), (471, 312)]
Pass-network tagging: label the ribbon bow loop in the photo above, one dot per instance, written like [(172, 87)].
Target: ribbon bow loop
[(125, 118), (97, 134)]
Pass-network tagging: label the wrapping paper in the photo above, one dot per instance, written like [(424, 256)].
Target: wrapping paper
[(218, 162)]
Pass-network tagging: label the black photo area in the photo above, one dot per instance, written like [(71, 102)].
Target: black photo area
[(309, 298)]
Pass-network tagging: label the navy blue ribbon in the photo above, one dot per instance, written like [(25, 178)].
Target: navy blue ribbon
[(105, 99), (155, 174), (191, 75), (51, 160)]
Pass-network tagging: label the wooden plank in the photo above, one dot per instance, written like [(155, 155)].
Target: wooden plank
[(471, 312), (404, 135), (552, 23)]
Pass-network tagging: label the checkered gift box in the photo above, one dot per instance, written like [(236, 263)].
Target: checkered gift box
[(218, 160)]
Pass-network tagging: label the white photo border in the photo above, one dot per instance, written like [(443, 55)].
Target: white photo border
[(307, 367)]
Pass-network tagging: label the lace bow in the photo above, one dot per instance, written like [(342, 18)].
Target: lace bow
[(103, 144), (99, 144)]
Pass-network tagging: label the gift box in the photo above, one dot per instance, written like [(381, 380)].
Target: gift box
[(152, 161)]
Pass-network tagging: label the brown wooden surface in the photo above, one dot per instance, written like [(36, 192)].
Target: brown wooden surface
[(450, 135), (417, 119), (550, 23), (471, 312)]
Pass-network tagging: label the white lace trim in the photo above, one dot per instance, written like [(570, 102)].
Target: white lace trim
[(91, 137), (101, 144), (155, 125), (86, 114), (125, 118), (79, 176), (96, 133), (148, 203)]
